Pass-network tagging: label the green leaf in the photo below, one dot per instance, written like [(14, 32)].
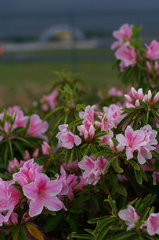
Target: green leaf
[(72, 224), (52, 112), (5, 155), (102, 154), (120, 189), (83, 236), (10, 150), (78, 200), (116, 166), (19, 147), (105, 222), (22, 139), (18, 130), (103, 232), (78, 154), (93, 149), (3, 235), (155, 113), (109, 164), (144, 175), (53, 222), (123, 121), (134, 164), (75, 123), (124, 235), (100, 134), (68, 155), (95, 201), (138, 176), (23, 233)]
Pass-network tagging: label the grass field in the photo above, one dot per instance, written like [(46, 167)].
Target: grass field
[(21, 83)]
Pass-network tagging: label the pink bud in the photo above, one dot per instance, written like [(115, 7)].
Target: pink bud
[(111, 144), (36, 153), (27, 155), (14, 218), (45, 148), (156, 98)]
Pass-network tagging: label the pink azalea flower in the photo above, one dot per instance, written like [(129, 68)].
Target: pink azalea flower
[(150, 139), (127, 55), (93, 168), (68, 183), (105, 139), (139, 140), (9, 198), (71, 167), (66, 138), (114, 92), (88, 114), (113, 114), (27, 173), (51, 99), (87, 130), (152, 50), (42, 193), (153, 224), (13, 163), (129, 215), (132, 140), (37, 127), (124, 33)]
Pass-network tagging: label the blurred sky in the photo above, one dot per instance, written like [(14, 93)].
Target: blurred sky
[(10, 6)]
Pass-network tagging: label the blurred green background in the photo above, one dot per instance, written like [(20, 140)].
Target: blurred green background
[(26, 81)]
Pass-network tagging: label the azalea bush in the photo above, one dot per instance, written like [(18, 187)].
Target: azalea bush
[(74, 171)]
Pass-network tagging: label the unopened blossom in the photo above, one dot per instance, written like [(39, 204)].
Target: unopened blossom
[(66, 138), (45, 148), (156, 69), (155, 177), (152, 50), (127, 55), (36, 153), (152, 224), (42, 193), (37, 127), (123, 34), (26, 155), (138, 95), (27, 173), (13, 220), (129, 215)]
